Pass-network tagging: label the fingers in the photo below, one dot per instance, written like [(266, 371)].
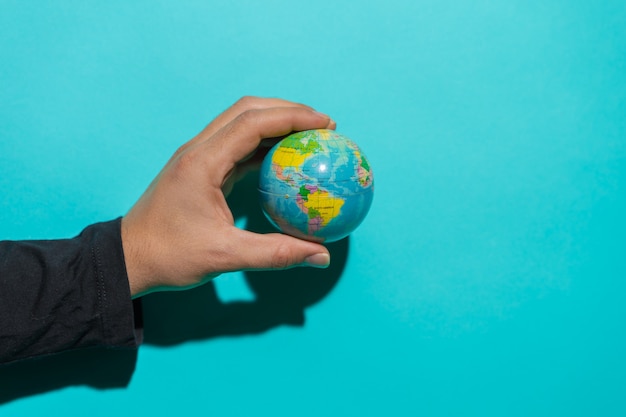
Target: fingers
[(242, 105), (238, 139), (276, 251)]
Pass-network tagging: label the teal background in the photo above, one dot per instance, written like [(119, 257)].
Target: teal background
[(489, 276)]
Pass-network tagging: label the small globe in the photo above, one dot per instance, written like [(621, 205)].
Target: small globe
[(316, 185)]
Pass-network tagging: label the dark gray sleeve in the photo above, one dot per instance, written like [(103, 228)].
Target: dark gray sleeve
[(57, 295)]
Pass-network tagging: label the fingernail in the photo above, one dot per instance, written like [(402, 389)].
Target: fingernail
[(319, 260)]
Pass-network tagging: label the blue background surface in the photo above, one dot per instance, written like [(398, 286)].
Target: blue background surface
[(489, 276)]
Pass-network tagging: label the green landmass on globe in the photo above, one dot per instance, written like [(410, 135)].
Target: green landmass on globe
[(316, 185)]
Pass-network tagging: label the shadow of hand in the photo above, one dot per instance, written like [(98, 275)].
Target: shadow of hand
[(281, 297)]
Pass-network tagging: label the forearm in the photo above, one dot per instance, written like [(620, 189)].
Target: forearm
[(58, 295)]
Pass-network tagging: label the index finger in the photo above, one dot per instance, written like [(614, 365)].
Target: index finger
[(239, 138), (242, 105)]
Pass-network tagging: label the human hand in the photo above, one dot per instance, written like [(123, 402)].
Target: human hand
[(181, 232)]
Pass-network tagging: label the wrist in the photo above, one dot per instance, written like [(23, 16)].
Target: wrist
[(135, 259)]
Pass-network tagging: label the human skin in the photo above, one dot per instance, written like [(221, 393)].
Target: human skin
[(181, 232)]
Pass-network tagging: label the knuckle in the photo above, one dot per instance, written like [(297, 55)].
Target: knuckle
[(282, 257), (247, 117), (181, 149), (183, 163), (248, 102)]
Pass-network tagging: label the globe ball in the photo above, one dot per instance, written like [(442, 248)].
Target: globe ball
[(316, 185)]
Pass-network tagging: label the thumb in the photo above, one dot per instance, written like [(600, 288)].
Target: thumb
[(278, 251)]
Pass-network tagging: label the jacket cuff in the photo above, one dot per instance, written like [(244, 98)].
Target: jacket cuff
[(120, 316)]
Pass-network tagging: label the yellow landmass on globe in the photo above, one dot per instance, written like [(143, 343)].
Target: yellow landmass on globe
[(289, 157), (323, 134), (321, 208)]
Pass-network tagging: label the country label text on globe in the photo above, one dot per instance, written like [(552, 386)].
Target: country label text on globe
[(316, 185)]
